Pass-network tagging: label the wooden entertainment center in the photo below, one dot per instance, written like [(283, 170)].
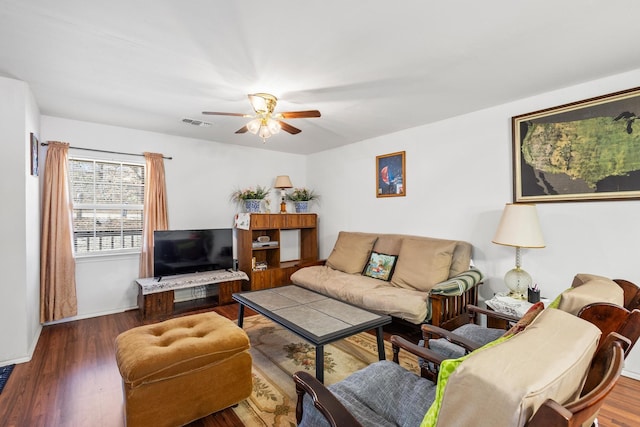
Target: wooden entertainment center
[(277, 273)]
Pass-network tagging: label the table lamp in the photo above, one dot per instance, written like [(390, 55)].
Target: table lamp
[(519, 227), (283, 182)]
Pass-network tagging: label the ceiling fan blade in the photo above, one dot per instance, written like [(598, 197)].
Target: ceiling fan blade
[(216, 113), (288, 128), (299, 114), (243, 129)]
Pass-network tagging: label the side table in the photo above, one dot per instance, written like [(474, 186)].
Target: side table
[(510, 306)]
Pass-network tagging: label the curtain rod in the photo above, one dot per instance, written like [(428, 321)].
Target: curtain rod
[(44, 144)]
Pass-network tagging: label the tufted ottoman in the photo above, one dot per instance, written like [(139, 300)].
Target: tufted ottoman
[(182, 369)]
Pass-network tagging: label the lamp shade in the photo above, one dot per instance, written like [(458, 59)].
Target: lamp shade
[(283, 181), (519, 227)]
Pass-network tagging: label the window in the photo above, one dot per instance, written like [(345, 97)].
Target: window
[(108, 199)]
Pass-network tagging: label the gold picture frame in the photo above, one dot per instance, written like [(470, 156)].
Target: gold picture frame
[(583, 151), (391, 177)]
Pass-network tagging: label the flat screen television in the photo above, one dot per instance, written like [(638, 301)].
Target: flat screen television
[(192, 251)]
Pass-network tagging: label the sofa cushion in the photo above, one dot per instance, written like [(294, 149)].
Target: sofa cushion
[(461, 259), (389, 243), (362, 291), (383, 394), (380, 266), (351, 252), (589, 289), (448, 367), (422, 263), (507, 383), (582, 278)]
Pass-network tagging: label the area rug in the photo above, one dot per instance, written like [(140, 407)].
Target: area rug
[(5, 371), (278, 353)]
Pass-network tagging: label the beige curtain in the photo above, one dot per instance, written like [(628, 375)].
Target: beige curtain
[(57, 265), (155, 209)]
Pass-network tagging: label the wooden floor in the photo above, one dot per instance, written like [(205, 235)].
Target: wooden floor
[(73, 380)]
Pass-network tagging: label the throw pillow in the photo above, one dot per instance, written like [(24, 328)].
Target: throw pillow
[(422, 263), (380, 266), (351, 252), (526, 320)]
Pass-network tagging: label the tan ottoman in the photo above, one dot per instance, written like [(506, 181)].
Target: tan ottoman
[(179, 370)]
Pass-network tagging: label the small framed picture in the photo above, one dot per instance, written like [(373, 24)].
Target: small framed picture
[(391, 178), (34, 154)]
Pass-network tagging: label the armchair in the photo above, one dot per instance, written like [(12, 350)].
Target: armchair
[(485, 387), (608, 317)]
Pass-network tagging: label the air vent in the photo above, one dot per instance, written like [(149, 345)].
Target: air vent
[(196, 122)]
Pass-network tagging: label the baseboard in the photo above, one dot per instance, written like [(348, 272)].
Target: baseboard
[(631, 374), (30, 352), (90, 315)]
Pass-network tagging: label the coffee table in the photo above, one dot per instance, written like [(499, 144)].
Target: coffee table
[(314, 317)]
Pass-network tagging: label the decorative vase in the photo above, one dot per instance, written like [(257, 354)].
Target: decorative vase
[(302, 206), (252, 205)]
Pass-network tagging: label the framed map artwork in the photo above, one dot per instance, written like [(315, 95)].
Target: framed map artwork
[(583, 151)]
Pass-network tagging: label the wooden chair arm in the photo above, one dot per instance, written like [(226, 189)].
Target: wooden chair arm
[(398, 343), (328, 405), (434, 332), (550, 413), (631, 294), (474, 309)]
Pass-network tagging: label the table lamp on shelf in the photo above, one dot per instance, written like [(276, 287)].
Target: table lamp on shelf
[(519, 227), (283, 182)]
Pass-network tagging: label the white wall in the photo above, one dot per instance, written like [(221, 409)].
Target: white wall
[(458, 180), (20, 224), (459, 176), (200, 179)]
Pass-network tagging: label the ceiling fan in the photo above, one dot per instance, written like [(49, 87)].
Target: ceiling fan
[(265, 122)]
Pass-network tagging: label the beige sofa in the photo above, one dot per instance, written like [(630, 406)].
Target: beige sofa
[(429, 279)]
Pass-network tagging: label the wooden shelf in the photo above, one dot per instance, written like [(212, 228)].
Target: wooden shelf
[(195, 304), (278, 273)]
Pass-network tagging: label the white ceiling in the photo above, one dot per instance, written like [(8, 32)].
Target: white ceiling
[(372, 67)]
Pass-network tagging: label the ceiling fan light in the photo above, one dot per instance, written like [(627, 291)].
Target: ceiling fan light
[(264, 132), (254, 125), (274, 126)]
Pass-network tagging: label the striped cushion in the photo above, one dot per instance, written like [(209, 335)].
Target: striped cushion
[(459, 284)]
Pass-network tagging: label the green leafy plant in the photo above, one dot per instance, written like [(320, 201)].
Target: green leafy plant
[(251, 193), (302, 195)]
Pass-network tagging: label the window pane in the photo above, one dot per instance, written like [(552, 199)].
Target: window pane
[(108, 199), (132, 220), (81, 174), (132, 174), (133, 194), (108, 193)]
